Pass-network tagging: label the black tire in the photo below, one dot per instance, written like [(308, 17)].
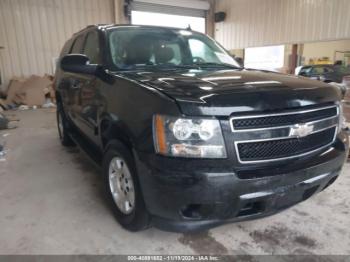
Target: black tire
[(63, 131), (139, 218)]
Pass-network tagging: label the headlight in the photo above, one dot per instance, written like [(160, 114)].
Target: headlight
[(188, 137)]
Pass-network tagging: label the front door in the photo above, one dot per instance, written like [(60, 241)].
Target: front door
[(88, 106), (72, 83)]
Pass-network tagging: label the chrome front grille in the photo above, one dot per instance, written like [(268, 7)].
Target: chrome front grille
[(284, 135), (273, 120)]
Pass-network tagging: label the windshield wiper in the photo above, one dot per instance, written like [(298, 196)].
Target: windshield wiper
[(175, 67), (169, 66), (216, 65)]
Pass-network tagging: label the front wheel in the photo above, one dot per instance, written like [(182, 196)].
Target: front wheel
[(123, 189)]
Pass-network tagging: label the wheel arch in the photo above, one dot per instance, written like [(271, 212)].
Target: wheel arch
[(113, 129)]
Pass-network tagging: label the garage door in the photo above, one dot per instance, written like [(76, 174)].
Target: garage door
[(179, 14), (194, 8)]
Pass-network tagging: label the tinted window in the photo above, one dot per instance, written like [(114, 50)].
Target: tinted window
[(328, 70), (66, 48), (91, 48), (319, 70), (305, 71), (78, 45)]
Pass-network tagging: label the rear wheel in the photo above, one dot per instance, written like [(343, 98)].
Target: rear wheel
[(122, 188), (63, 131)]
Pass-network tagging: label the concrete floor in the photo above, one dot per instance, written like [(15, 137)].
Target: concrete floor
[(51, 202)]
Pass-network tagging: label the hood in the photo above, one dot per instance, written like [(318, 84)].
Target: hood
[(221, 93)]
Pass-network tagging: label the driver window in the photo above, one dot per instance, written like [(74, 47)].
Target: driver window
[(91, 48)]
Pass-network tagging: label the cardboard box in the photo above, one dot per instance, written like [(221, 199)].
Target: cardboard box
[(3, 105), (13, 88), (31, 91)]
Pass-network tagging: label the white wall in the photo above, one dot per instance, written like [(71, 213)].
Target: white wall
[(325, 49), (252, 23), (33, 32)]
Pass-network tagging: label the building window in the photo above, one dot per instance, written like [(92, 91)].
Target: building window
[(268, 57)]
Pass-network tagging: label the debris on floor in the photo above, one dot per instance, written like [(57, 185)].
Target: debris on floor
[(6, 123), (2, 148), (3, 105), (2, 154), (23, 107), (48, 104), (3, 122), (29, 93)]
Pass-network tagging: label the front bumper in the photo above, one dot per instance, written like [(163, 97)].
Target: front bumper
[(186, 195)]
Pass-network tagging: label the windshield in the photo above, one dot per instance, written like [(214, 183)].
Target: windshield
[(137, 47)]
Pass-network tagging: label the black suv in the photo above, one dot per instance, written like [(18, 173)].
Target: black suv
[(186, 138)]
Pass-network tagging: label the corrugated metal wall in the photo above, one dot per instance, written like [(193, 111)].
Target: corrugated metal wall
[(33, 32), (252, 23)]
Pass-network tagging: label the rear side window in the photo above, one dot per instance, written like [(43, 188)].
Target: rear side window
[(77, 45), (91, 48)]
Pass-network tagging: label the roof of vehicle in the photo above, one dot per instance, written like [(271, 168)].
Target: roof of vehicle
[(108, 26)]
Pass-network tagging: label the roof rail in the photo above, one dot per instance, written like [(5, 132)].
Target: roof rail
[(81, 30), (89, 26)]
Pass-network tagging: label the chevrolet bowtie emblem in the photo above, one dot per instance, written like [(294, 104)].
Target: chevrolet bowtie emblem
[(301, 130)]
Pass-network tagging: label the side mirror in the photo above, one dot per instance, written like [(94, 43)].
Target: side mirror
[(76, 63)]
